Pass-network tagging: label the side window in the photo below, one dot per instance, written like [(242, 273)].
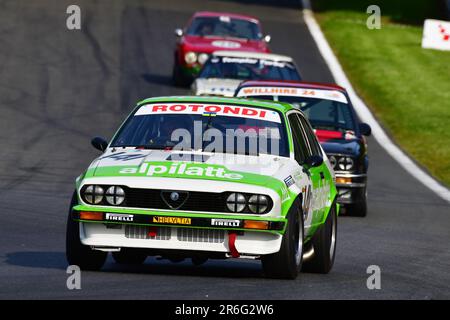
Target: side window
[(315, 148), (300, 148)]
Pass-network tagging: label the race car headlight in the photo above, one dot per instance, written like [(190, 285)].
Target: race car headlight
[(345, 163), (93, 194), (190, 57), (115, 195), (333, 161), (258, 203), (236, 202), (202, 57)]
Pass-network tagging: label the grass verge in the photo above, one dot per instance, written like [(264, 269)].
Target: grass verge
[(407, 87)]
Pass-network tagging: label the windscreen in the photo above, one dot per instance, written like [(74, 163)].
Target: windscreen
[(224, 27), (211, 128), (249, 69)]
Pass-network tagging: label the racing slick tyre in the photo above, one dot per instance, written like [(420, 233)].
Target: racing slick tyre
[(324, 244), (358, 209), (77, 253), (178, 77), (129, 256), (287, 263)]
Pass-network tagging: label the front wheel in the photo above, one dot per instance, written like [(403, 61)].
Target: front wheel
[(77, 253), (286, 263), (324, 245)]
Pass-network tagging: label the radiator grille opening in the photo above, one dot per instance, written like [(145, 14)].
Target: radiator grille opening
[(183, 234), (201, 235), (143, 232)]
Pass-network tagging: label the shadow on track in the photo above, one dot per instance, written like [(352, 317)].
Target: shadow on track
[(36, 259), (213, 268)]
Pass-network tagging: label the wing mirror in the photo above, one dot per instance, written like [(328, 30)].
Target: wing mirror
[(313, 161), (267, 38), (179, 32), (99, 143), (365, 129)]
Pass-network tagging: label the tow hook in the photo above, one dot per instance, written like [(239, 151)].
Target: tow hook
[(232, 244)]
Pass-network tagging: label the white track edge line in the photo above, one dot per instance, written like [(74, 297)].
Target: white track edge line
[(364, 112)]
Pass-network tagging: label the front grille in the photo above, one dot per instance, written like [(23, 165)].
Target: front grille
[(196, 201), (143, 232), (187, 200), (183, 234), (200, 235)]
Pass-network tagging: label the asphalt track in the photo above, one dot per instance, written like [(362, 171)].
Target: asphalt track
[(59, 88)]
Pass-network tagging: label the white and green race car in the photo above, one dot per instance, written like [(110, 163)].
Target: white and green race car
[(202, 178)]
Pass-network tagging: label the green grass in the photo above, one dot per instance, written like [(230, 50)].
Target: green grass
[(408, 88)]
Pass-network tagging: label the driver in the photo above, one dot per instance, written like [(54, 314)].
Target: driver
[(206, 29), (167, 126)]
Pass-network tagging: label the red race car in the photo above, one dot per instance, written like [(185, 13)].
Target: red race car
[(207, 32)]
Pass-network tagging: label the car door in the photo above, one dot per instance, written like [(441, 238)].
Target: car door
[(301, 153), (319, 175)]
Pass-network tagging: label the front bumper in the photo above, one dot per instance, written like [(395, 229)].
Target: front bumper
[(248, 243), (351, 187), (112, 228)]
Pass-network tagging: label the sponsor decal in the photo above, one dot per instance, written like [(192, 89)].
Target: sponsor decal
[(202, 109), (295, 92), (289, 181), (261, 62), (221, 89), (239, 60), (172, 220), (306, 201), (321, 197), (123, 156), (119, 217), (284, 194), (225, 223), (180, 169), (226, 44)]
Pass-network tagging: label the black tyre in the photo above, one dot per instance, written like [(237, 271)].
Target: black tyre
[(287, 263), (324, 245), (129, 256), (178, 78), (358, 209), (77, 253)]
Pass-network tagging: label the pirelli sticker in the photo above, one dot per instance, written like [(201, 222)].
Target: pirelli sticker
[(172, 220)]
